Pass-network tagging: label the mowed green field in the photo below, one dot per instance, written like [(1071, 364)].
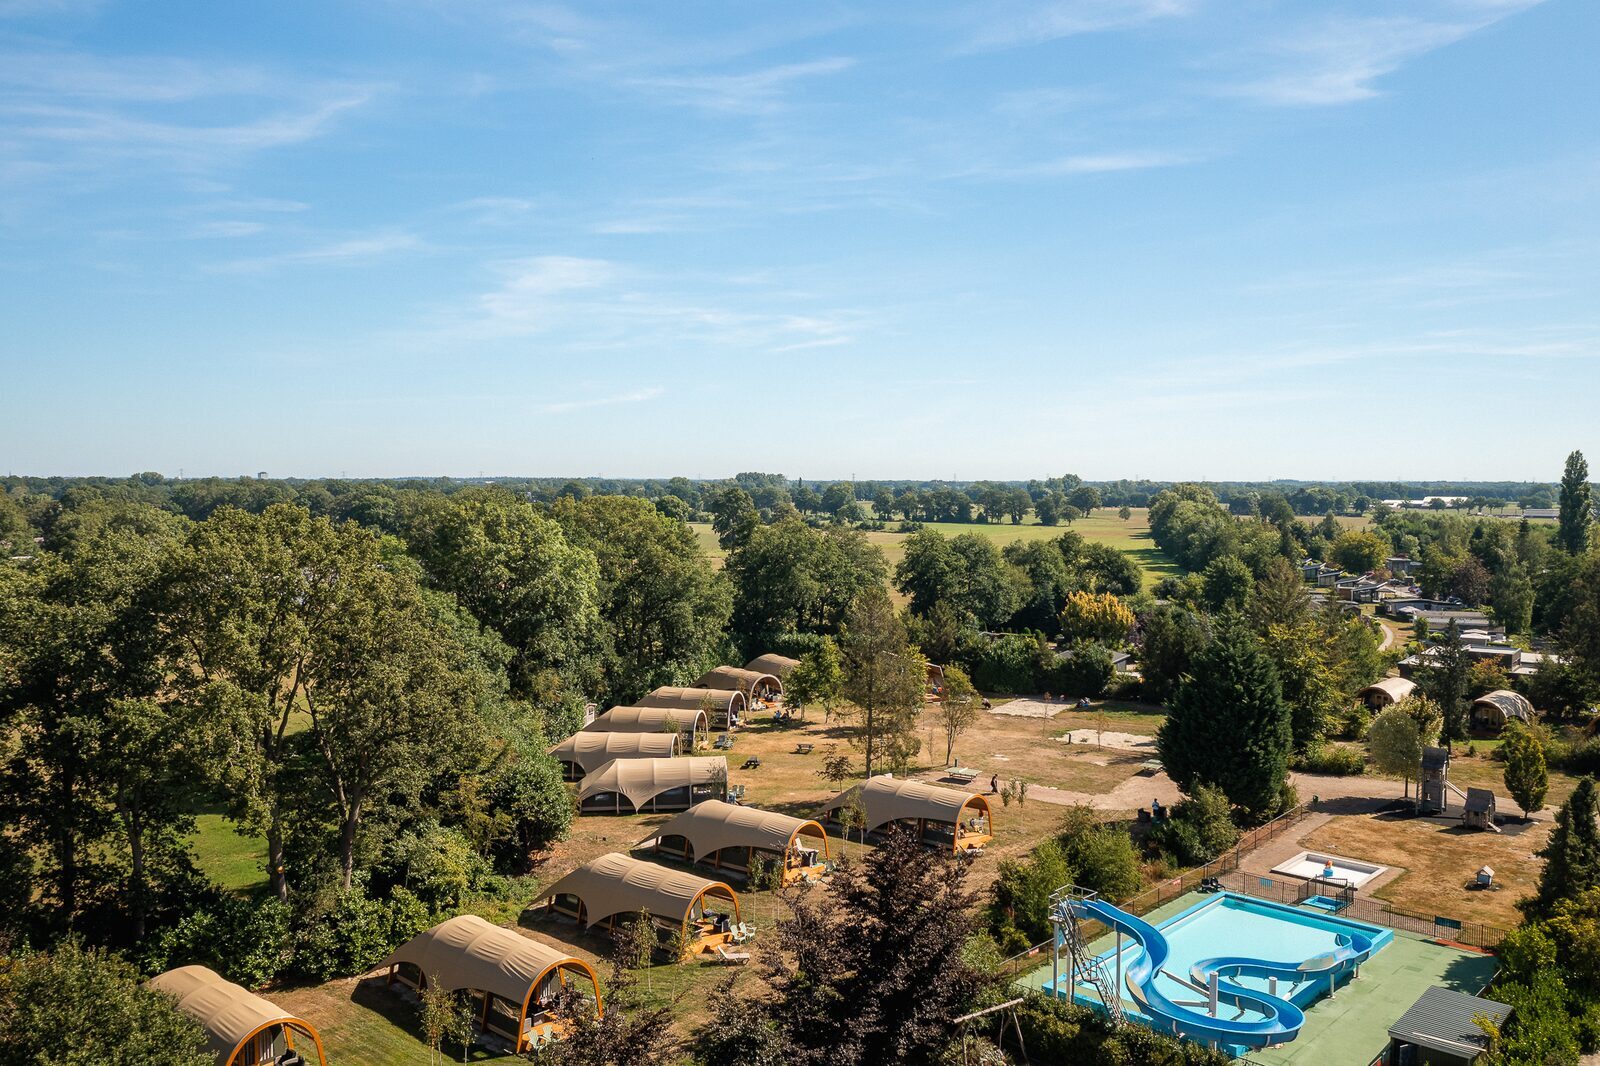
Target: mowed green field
[(234, 861), (1131, 537)]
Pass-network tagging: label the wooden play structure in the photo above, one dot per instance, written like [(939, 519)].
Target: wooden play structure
[(1434, 790), (241, 1028), (1479, 810)]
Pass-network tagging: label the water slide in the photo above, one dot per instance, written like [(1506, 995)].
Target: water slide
[(1281, 1019)]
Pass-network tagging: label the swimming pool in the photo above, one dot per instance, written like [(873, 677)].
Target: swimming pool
[(1314, 863)]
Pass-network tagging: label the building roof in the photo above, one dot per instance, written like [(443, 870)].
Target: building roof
[(713, 825), (1442, 1019), (618, 884), (469, 952), (593, 750), (887, 799), (1396, 688), (228, 1013), (772, 663), (648, 720), (1479, 800), (692, 699), (1509, 704), (1435, 758), (738, 679), (642, 779)]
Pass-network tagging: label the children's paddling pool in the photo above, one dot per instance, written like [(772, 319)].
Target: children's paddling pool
[(1317, 863)]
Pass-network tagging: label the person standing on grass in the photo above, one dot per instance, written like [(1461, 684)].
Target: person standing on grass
[(994, 785)]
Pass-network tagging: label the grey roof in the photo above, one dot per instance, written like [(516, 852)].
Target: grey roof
[(1479, 800), (1435, 758), (1442, 1020)]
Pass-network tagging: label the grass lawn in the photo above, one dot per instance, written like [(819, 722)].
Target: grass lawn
[(1103, 527), (1440, 860), (233, 860)]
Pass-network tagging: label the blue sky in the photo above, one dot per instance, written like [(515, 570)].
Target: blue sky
[(1163, 238)]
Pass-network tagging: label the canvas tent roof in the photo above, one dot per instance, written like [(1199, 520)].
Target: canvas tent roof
[(694, 699), (593, 750), (738, 679), (469, 952), (648, 720), (1396, 688), (1509, 704), (887, 799), (228, 1013), (642, 779), (619, 884), (713, 825), (771, 663)]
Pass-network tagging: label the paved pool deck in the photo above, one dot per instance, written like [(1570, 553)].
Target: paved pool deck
[(1353, 1027)]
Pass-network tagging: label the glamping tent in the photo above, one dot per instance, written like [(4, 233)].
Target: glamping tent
[(935, 681), (582, 753), (242, 1029), (634, 786), (725, 705), (726, 836), (603, 891), (755, 684), (692, 724), (1494, 709), (778, 665), (1387, 692), (513, 979), (942, 817)]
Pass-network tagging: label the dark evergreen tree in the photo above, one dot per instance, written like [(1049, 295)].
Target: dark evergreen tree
[(1448, 681), (1228, 725), (1572, 854), (1577, 505)]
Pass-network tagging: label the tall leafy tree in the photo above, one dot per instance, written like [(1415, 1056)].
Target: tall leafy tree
[(733, 517), (1395, 742), (1448, 682), (789, 578), (1228, 725), (1527, 778), (884, 676), (1577, 505), (1572, 854)]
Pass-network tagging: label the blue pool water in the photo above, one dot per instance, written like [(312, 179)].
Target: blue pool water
[(1230, 925)]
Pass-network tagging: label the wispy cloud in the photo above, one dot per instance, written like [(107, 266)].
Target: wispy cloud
[(631, 396), (1025, 22), (349, 250), (1081, 164), (749, 92), (1339, 58)]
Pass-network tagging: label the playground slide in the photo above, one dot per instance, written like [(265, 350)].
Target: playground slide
[(1282, 1019)]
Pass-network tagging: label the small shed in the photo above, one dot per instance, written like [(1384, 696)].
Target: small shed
[(1479, 810), (692, 725), (1387, 692), (1494, 709), (755, 684), (726, 836), (241, 1028), (1441, 1029), (602, 892), (637, 786), (513, 979), (771, 663), (582, 753), (723, 705), (941, 817)]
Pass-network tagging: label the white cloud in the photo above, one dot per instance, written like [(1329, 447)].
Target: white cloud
[(632, 396), (1027, 22), (753, 91), (350, 250)]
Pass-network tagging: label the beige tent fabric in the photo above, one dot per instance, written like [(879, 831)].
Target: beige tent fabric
[(737, 679), (888, 799), (648, 720), (642, 779), (618, 884), (469, 952), (593, 750), (1394, 689), (713, 825), (691, 699), (1502, 705), (227, 1012), (772, 664)]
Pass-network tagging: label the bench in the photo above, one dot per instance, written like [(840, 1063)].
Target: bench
[(752, 763), (803, 749), (721, 954)]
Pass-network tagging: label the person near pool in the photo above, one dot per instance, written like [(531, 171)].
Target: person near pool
[(1327, 868)]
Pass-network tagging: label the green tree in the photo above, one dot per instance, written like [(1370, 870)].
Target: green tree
[(1359, 550), (818, 679), (674, 508), (1172, 638), (1228, 726), (1577, 506), (1095, 616), (1572, 854), (74, 1006), (1448, 681), (884, 676), (734, 518), (1124, 512), (1395, 742), (1228, 584), (789, 578), (957, 708), (1526, 776), (926, 572), (1512, 596)]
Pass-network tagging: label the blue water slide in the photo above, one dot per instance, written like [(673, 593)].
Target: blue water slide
[(1352, 948), (1281, 1019)]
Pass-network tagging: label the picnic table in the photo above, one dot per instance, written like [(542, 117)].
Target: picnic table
[(965, 774), (752, 763), (803, 749), (1150, 767)]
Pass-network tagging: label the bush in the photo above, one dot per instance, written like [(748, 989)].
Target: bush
[(1580, 759), (1019, 910), (355, 932), (1086, 671), (1351, 723), (1009, 663), (437, 864), (247, 941), (1329, 759), (1198, 829), (1103, 861)]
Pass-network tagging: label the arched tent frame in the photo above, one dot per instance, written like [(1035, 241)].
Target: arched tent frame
[(691, 722), (649, 786), (719, 835), (584, 752), (608, 888), (937, 815), (724, 705), (234, 1018), (511, 950), (755, 684)]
